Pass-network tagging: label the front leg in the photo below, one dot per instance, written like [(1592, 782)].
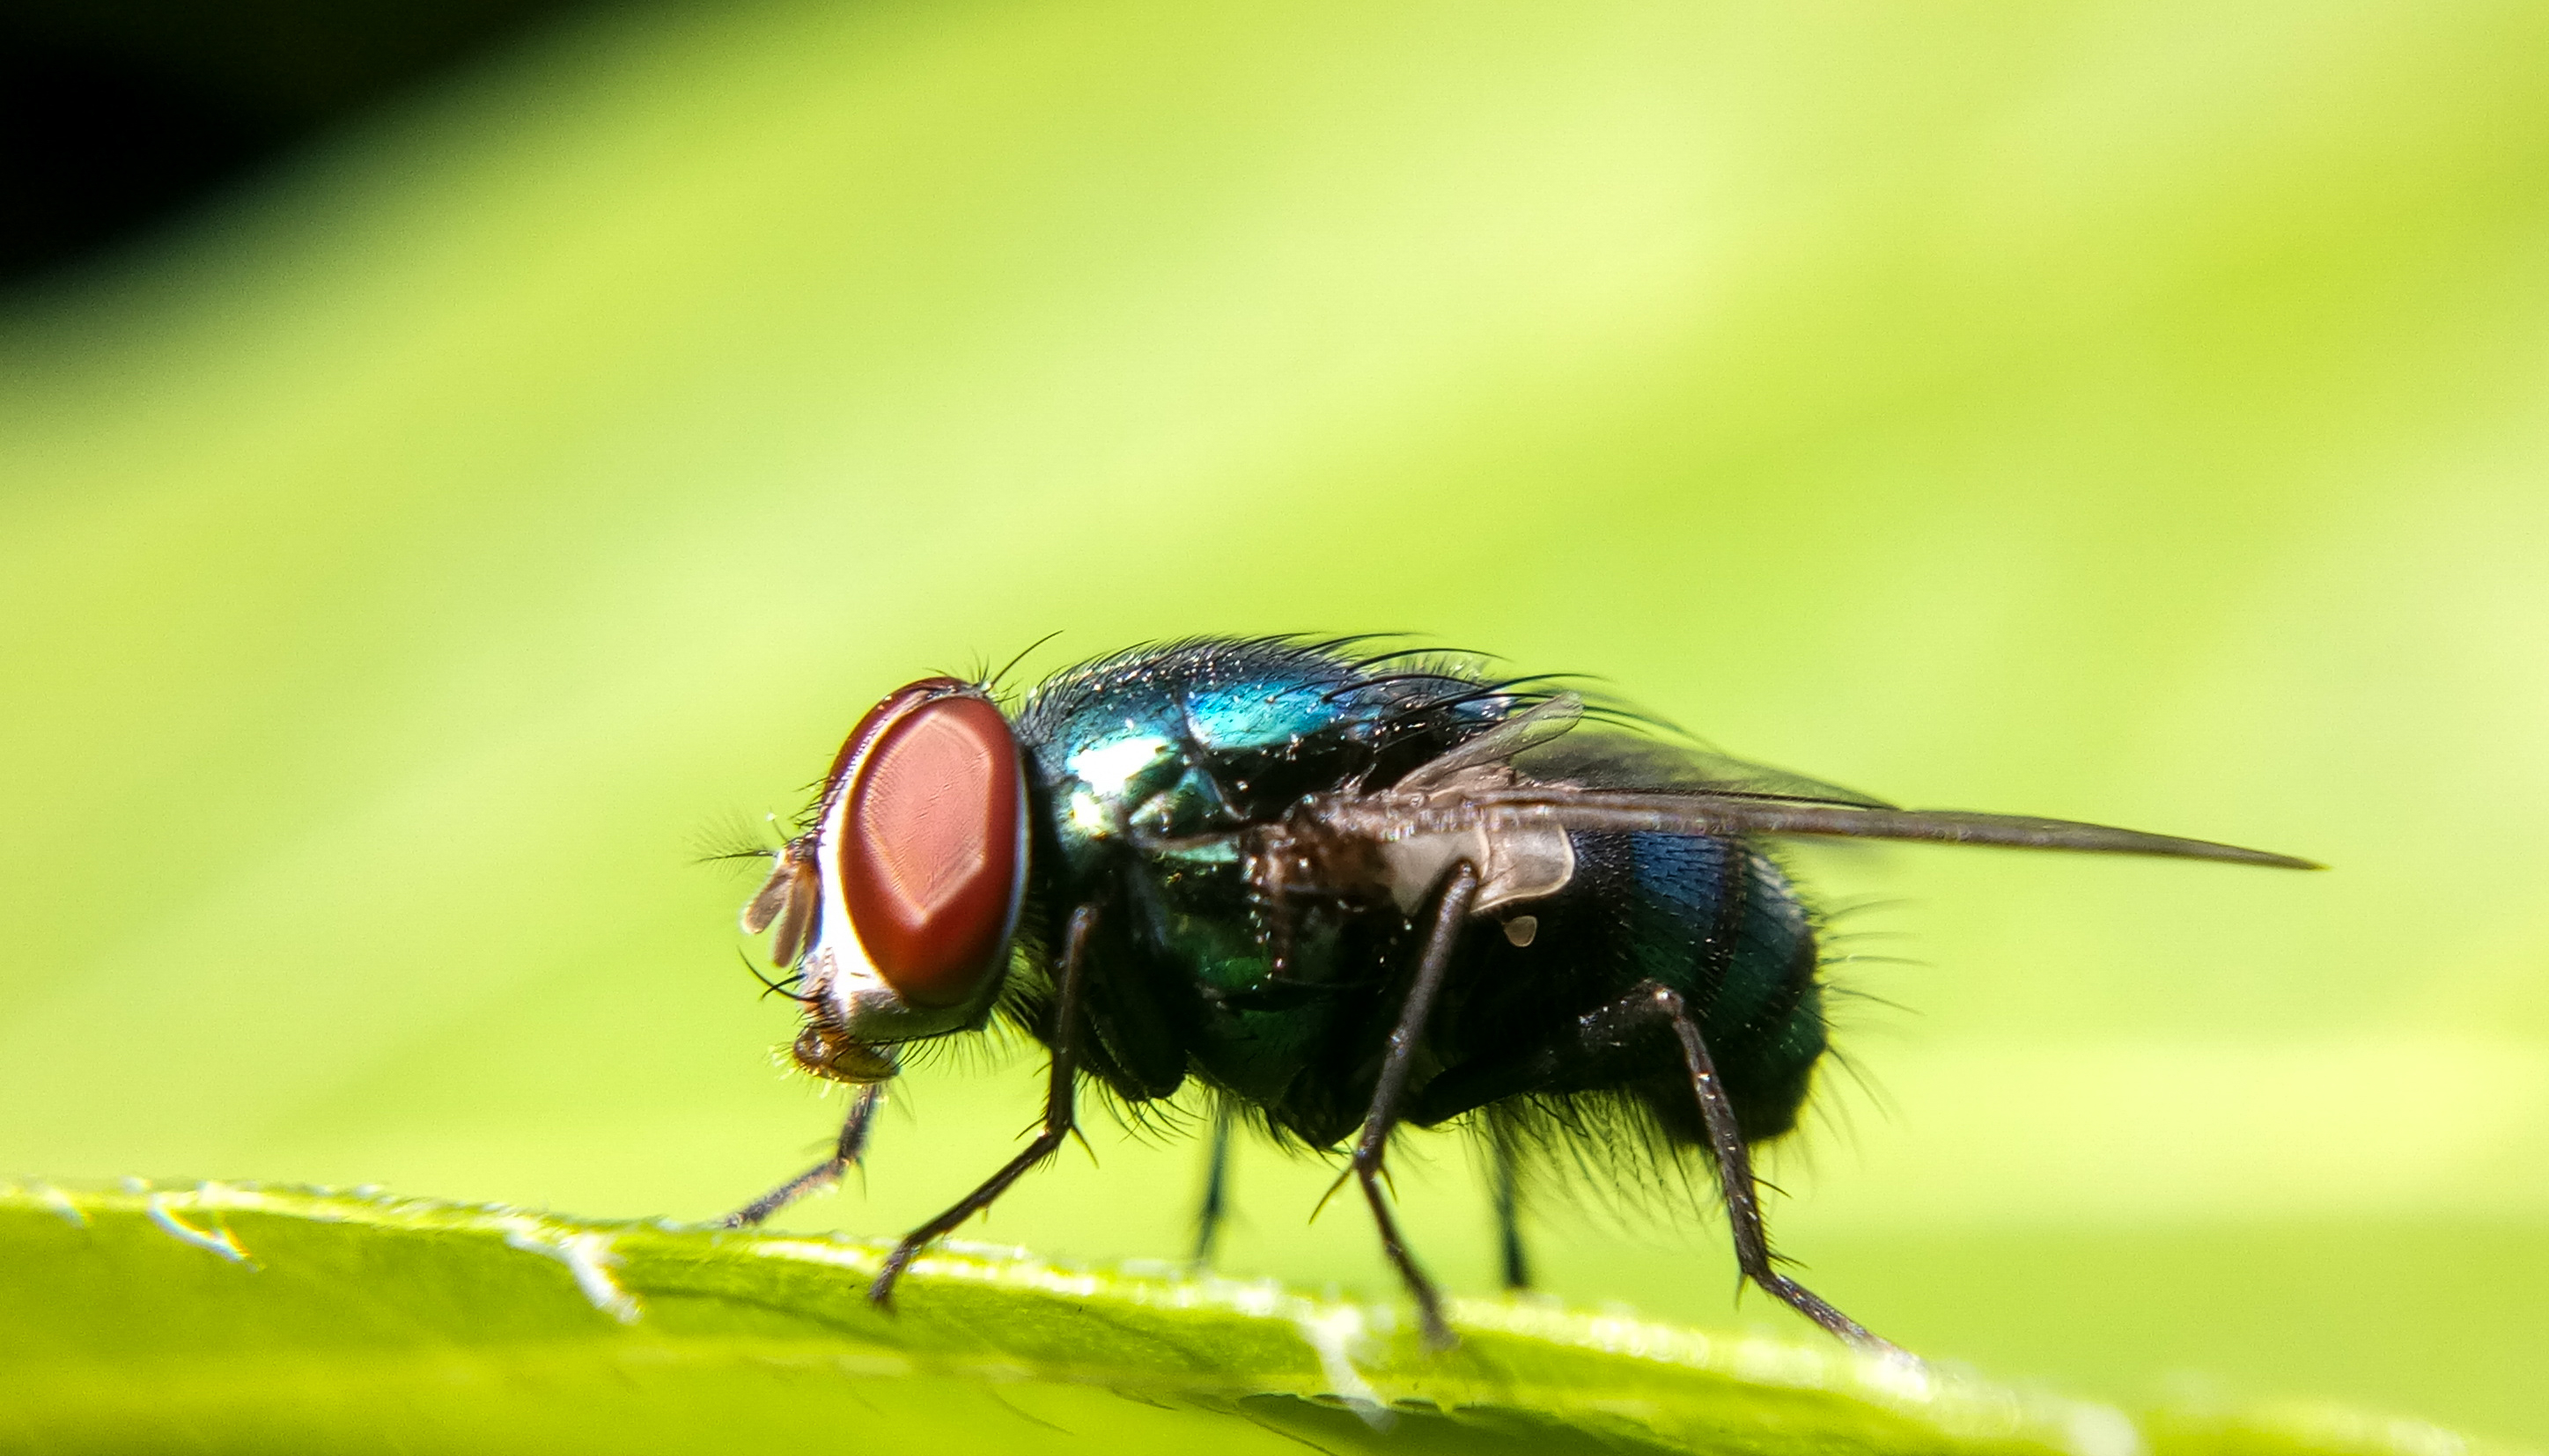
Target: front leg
[(846, 1155), (1460, 891), (1057, 1115)]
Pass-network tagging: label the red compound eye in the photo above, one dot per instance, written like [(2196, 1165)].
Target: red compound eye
[(932, 847)]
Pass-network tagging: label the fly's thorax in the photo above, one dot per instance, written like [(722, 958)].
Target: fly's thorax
[(1167, 745)]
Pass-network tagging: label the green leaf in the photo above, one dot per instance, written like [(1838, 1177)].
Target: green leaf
[(238, 1317)]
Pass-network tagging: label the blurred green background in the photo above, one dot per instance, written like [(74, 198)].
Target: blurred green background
[(2136, 412)]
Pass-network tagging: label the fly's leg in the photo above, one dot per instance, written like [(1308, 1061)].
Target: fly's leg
[(1734, 1182), (1057, 1115), (1460, 891), (1216, 1184), (1504, 1158), (1613, 1043), (845, 1155)]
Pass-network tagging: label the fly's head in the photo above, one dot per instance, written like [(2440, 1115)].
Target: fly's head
[(897, 908)]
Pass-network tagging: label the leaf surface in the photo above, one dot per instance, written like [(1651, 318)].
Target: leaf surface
[(233, 1318)]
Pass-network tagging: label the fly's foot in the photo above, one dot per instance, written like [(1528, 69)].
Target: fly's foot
[(881, 1293)]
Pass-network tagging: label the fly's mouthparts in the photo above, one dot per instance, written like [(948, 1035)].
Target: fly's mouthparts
[(834, 1057)]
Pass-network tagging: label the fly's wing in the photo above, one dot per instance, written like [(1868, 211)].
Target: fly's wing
[(1543, 722), (1723, 815), (1605, 780), (1610, 759), (1550, 741)]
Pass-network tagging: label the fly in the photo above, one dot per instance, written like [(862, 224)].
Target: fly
[(1346, 892)]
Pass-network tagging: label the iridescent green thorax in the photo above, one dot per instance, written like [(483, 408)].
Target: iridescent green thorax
[(1150, 762), (1190, 739)]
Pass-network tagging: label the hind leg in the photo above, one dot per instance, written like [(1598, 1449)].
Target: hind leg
[(1612, 1043)]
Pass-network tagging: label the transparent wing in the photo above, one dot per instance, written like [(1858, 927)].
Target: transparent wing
[(1543, 722), (1610, 759), (1721, 815)]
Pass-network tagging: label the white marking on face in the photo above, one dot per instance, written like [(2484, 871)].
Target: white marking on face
[(840, 964)]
